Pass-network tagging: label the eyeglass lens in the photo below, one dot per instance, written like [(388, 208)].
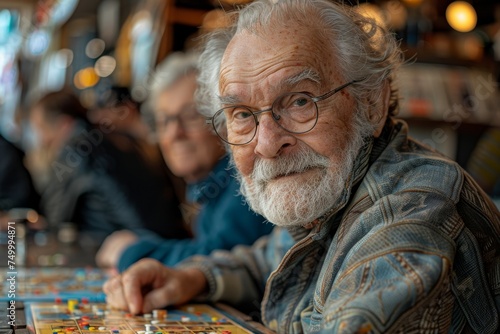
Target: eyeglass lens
[(188, 118)]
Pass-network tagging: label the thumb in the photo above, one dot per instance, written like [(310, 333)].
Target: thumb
[(158, 298)]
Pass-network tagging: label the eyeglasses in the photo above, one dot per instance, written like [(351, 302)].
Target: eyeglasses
[(189, 118), (294, 112)]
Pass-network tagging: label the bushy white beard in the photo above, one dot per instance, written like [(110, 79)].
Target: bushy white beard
[(290, 203)]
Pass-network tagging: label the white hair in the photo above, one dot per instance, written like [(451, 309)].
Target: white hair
[(176, 66), (363, 50)]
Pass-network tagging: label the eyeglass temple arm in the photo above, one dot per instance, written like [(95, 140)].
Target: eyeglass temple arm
[(336, 90)]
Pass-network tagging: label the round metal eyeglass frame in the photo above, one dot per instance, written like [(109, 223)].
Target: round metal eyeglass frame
[(276, 117), (188, 118)]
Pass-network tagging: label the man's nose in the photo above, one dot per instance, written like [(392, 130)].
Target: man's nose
[(175, 129), (271, 138)]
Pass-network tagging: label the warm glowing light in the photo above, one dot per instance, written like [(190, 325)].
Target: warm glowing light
[(396, 14), (412, 3), (32, 216), (104, 66), (86, 78), (215, 19), (461, 16), (372, 11)]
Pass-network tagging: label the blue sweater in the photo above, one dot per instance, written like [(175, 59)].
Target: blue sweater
[(223, 222)]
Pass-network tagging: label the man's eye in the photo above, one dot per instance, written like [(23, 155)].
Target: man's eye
[(241, 113), (300, 102)]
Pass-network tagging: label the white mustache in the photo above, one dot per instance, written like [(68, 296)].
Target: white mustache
[(304, 159)]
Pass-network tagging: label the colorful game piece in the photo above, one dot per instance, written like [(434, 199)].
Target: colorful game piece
[(72, 303), (159, 314)]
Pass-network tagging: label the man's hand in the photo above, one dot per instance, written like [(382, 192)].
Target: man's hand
[(113, 247), (149, 285)]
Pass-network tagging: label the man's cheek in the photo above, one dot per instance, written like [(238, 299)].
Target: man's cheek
[(244, 160)]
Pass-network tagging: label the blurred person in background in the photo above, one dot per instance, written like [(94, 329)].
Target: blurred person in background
[(116, 106), (99, 179), (193, 152), (16, 186)]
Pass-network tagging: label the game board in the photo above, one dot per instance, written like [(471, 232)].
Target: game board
[(96, 318), (51, 284)]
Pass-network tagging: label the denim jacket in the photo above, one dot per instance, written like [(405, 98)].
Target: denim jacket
[(413, 247)]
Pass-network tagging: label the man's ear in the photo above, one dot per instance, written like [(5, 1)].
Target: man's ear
[(379, 114)]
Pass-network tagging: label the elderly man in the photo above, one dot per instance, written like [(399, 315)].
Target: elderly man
[(376, 232)]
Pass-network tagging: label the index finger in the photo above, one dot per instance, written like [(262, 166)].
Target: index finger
[(138, 277)]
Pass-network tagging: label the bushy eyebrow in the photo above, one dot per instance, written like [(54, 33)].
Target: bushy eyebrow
[(284, 85), (305, 75), (229, 99)]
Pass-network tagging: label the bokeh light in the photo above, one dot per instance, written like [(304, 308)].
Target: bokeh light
[(372, 11), (104, 66), (395, 13), (86, 78), (461, 16), (95, 48), (64, 58)]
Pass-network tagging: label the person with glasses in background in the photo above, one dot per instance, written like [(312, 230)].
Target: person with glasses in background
[(96, 180), (375, 233), (220, 218)]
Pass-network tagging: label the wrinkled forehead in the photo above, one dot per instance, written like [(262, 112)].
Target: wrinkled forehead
[(262, 52)]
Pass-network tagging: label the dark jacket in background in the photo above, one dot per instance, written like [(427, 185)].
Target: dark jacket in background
[(109, 182), (16, 186)]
